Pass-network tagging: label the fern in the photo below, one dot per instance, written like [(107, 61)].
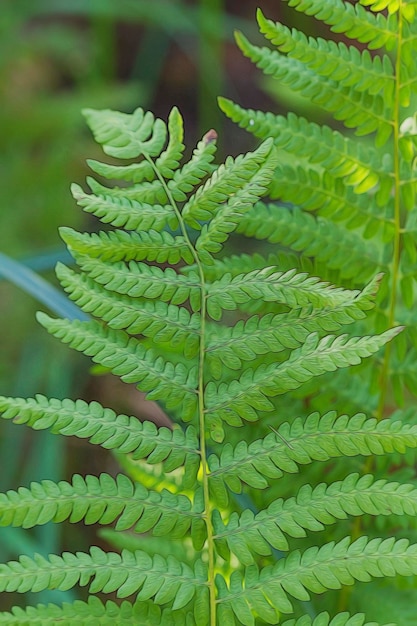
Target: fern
[(347, 204), (225, 518)]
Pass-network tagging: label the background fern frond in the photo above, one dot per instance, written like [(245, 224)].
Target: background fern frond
[(316, 237), (343, 65), (359, 165), (324, 619), (359, 110), (352, 20)]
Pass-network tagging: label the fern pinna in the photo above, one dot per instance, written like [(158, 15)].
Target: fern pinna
[(203, 529)]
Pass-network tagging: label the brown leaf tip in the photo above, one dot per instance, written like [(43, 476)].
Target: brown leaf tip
[(210, 136)]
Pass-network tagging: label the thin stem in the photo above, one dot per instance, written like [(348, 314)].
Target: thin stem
[(200, 392)]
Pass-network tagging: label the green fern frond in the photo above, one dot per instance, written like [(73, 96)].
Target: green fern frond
[(129, 214), (317, 438), (127, 136), (229, 214), (126, 574), (99, 500), (230, 345), (353, 21), (316, 237), (151, 318), (359, 110), (235, 175), (183, 181), (333, 200), (193, 172), (104, 613), (118, 245), (102, 426), (220, 340), (344, 65), (131, 361), (244, 397), (311, 509), (270, 285), (315, 570), (142, 280), (359, 165), (324, 619)]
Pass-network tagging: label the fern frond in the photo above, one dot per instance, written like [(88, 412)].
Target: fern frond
[(330, 197), (154, 192), (316, 570), (129, 360), (244, 397), (270, 285), (104, 613), (324, 619), (164, 580), (99, 500), (138, 279), (127, 136), (317, 237), (317, 438), (229, 214), (102, 426), (359, 110), (344, 65), (122, 212), (311, 509), (118, 245), (198, 167), (359, 165), (151, 318), (230, 345), (353, 21), (227, 180)]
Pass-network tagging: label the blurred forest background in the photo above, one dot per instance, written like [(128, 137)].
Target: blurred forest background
[(57, 57)]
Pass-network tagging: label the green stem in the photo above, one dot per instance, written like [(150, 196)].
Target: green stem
[(200, 391)]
